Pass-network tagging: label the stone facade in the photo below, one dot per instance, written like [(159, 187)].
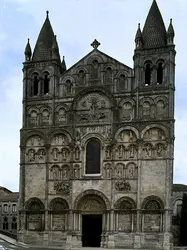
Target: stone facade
[(97, 144), (8, 211), (178, 191)]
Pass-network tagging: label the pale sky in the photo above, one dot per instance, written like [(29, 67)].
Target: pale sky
[(77, 23)]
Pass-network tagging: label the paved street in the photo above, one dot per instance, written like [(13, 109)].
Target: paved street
[(4, 245), (8, 246)]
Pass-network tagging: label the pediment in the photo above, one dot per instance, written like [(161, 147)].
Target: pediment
[(96, 58)]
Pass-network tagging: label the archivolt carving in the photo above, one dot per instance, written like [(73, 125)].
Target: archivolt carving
[(125, 203), (59, 139), (34, 141), (91, 193), (95, 57), (127, 134), (58, 204), (34, 204), (154, 132), (86, 138), (146, 99), (147, 200), (59, 136), (92, 204)]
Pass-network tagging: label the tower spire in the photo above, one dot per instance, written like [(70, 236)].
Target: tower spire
[(55, 50), (170, 33), (28, 51), (63, 65), (42, 50), (154, 31), (138, 38)]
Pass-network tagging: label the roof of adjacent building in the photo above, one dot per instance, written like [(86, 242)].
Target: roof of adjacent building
[(179, 188), (10, 197)]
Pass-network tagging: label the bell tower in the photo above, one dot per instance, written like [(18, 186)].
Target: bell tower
[(154, 69), (41, 72)]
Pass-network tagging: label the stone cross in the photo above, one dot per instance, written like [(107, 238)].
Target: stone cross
[(95, 44)]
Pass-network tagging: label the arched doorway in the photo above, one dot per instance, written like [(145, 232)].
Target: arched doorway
[(92, 208)]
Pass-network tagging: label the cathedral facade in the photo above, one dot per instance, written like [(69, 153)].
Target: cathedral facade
[(97, 144)]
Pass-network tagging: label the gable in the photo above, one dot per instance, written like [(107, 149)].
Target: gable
[(97, 69)]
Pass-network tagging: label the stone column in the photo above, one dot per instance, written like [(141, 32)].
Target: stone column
[(107, 221), (112, 220), (117, 222), (47, 146), (70, 221), (74, 221), (138, 215)]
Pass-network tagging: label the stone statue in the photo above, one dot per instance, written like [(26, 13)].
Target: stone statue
[(41, 154), (55, 154), (31, 155), (77, 153)]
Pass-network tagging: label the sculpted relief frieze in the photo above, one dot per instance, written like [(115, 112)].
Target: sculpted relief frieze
[(62, 187), (105, 131), (93, 108), (59, 172)]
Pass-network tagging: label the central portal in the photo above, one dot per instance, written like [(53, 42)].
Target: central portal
[(91, 230)]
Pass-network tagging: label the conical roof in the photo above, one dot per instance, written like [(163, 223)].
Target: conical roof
[(55, 50), (28, 50), (154, 31), (44, 43), (138, 33), (63, 65), (171, 29)]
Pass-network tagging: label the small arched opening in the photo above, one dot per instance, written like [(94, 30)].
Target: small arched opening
[(35, 214), (148, 74), (93, 156), (160, 71), (46, 83), (35, 84)]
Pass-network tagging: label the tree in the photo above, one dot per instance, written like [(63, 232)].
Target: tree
[(183, 222)]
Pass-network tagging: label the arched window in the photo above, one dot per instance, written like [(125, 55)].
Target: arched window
[(68, 87), (14, 208), (160, 73), (14, 223), (152, 214), (5, 223), (59, 212), (81, 77), (46, 83), (108, 76), (35, 214), (35, 84), (93, 157), (148, 74), (5, 208)]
